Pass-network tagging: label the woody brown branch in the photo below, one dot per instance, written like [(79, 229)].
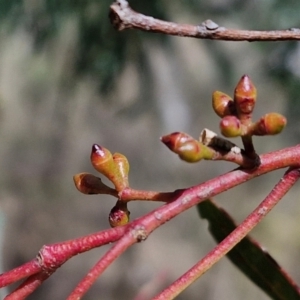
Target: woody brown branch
[(123, 17)]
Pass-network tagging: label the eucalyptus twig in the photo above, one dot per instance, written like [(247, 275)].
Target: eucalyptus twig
[(132, 236), (53, 256), (280, 189), (123, 17), (29, 286)]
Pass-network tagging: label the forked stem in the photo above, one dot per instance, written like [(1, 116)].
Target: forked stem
[(280, 189), (110, 256)]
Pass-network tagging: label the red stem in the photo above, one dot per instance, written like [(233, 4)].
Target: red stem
[(53, 256), (28, 286), (280, 189), (130, 194), (110, 256), (29, 268)]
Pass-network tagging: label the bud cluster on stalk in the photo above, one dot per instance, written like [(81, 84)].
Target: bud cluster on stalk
[(236, 113), (116, 168), (236, 120)]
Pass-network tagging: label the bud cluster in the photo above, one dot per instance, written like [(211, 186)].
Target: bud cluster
[(236, 113), (116, 168)]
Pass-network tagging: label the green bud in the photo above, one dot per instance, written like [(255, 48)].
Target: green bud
[(187, 148), (223, 104), (270, 124), (89, 184), (230, 126), (102, 160)]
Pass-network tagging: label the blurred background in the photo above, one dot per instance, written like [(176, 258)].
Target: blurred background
[(68, 80)]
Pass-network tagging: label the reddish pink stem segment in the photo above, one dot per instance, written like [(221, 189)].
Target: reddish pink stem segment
[(281, 188)]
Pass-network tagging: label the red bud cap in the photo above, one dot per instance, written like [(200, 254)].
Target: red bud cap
[(230, 126), (187, 148), (245, 96), (101, 159), (175, 140), (119, 215), (223, 104), (270, 124)]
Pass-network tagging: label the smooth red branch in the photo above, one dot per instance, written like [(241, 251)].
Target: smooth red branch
[(28, 286), (52, 256), (130, 194), (281, 188), (123, 17), (110, 256), (29, 268)]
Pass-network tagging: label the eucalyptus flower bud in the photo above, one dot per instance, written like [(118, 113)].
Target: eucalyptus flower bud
[(230, 126), (102, 160), (269, 124), (89, 184), (245, 96), (119, 215), (187, 148), (223, 104)]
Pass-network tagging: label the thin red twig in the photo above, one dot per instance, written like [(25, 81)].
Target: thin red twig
[(110, 256), (123, 17), (280, 189), (28, 286), (27, 269), (53, 256)]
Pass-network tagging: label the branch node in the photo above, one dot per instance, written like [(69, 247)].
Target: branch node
[(210, 25), (139, 233)]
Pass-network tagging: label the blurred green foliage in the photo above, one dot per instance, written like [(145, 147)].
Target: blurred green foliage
[(102, 52)]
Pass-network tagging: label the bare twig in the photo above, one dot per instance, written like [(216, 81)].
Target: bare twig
[(29, 286), (281, 188), (123, 17), (132, 236)]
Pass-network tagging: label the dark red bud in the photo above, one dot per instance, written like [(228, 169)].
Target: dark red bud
[(175, 140), (119, 215)]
